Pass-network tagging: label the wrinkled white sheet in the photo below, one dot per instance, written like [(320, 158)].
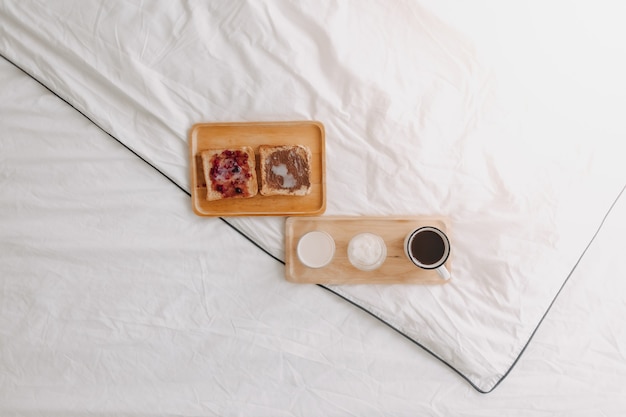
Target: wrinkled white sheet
[(427, 111), (115, 300)]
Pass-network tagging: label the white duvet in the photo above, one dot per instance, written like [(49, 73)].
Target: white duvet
[(509, 126)]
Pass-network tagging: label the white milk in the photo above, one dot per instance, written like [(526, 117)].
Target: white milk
[(316, 249)]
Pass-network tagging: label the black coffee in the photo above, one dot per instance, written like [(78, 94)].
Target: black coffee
[(427, 247)]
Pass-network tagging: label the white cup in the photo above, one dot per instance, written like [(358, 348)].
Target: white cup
[(367, 251), (316, 249), (428, 248)]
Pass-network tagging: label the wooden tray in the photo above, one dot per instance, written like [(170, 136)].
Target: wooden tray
[(396, 269), (222, 135)]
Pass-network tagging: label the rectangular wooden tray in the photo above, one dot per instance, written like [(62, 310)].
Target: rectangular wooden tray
[(396, 269), (223, 135)]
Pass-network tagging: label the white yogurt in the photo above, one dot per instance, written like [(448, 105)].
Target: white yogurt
[(316, 249), (367, 251)]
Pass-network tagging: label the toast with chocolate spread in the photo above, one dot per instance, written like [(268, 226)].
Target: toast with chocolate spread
[(285, 170), (230, 173)]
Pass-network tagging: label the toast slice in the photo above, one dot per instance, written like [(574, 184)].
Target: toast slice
[(229, 173), (285, 170)]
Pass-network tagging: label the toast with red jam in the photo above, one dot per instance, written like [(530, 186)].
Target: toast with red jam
[(229, 173)]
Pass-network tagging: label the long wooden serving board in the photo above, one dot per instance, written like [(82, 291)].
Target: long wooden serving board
[(224, 135), (396, 269)]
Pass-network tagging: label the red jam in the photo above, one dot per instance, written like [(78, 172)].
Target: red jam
[(230, 173)]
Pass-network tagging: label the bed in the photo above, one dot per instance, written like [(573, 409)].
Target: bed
[(507, 120)]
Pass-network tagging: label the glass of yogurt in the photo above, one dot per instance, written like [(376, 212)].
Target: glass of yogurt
[(367, 251)]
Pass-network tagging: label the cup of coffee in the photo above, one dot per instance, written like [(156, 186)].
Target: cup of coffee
[(428, 248)]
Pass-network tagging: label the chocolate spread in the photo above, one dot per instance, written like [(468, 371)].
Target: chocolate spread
[(297, 169)]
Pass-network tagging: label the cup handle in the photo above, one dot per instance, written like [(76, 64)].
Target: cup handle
[(443, 272)]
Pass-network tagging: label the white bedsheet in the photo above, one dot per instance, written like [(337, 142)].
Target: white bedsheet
[(109, 287)]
